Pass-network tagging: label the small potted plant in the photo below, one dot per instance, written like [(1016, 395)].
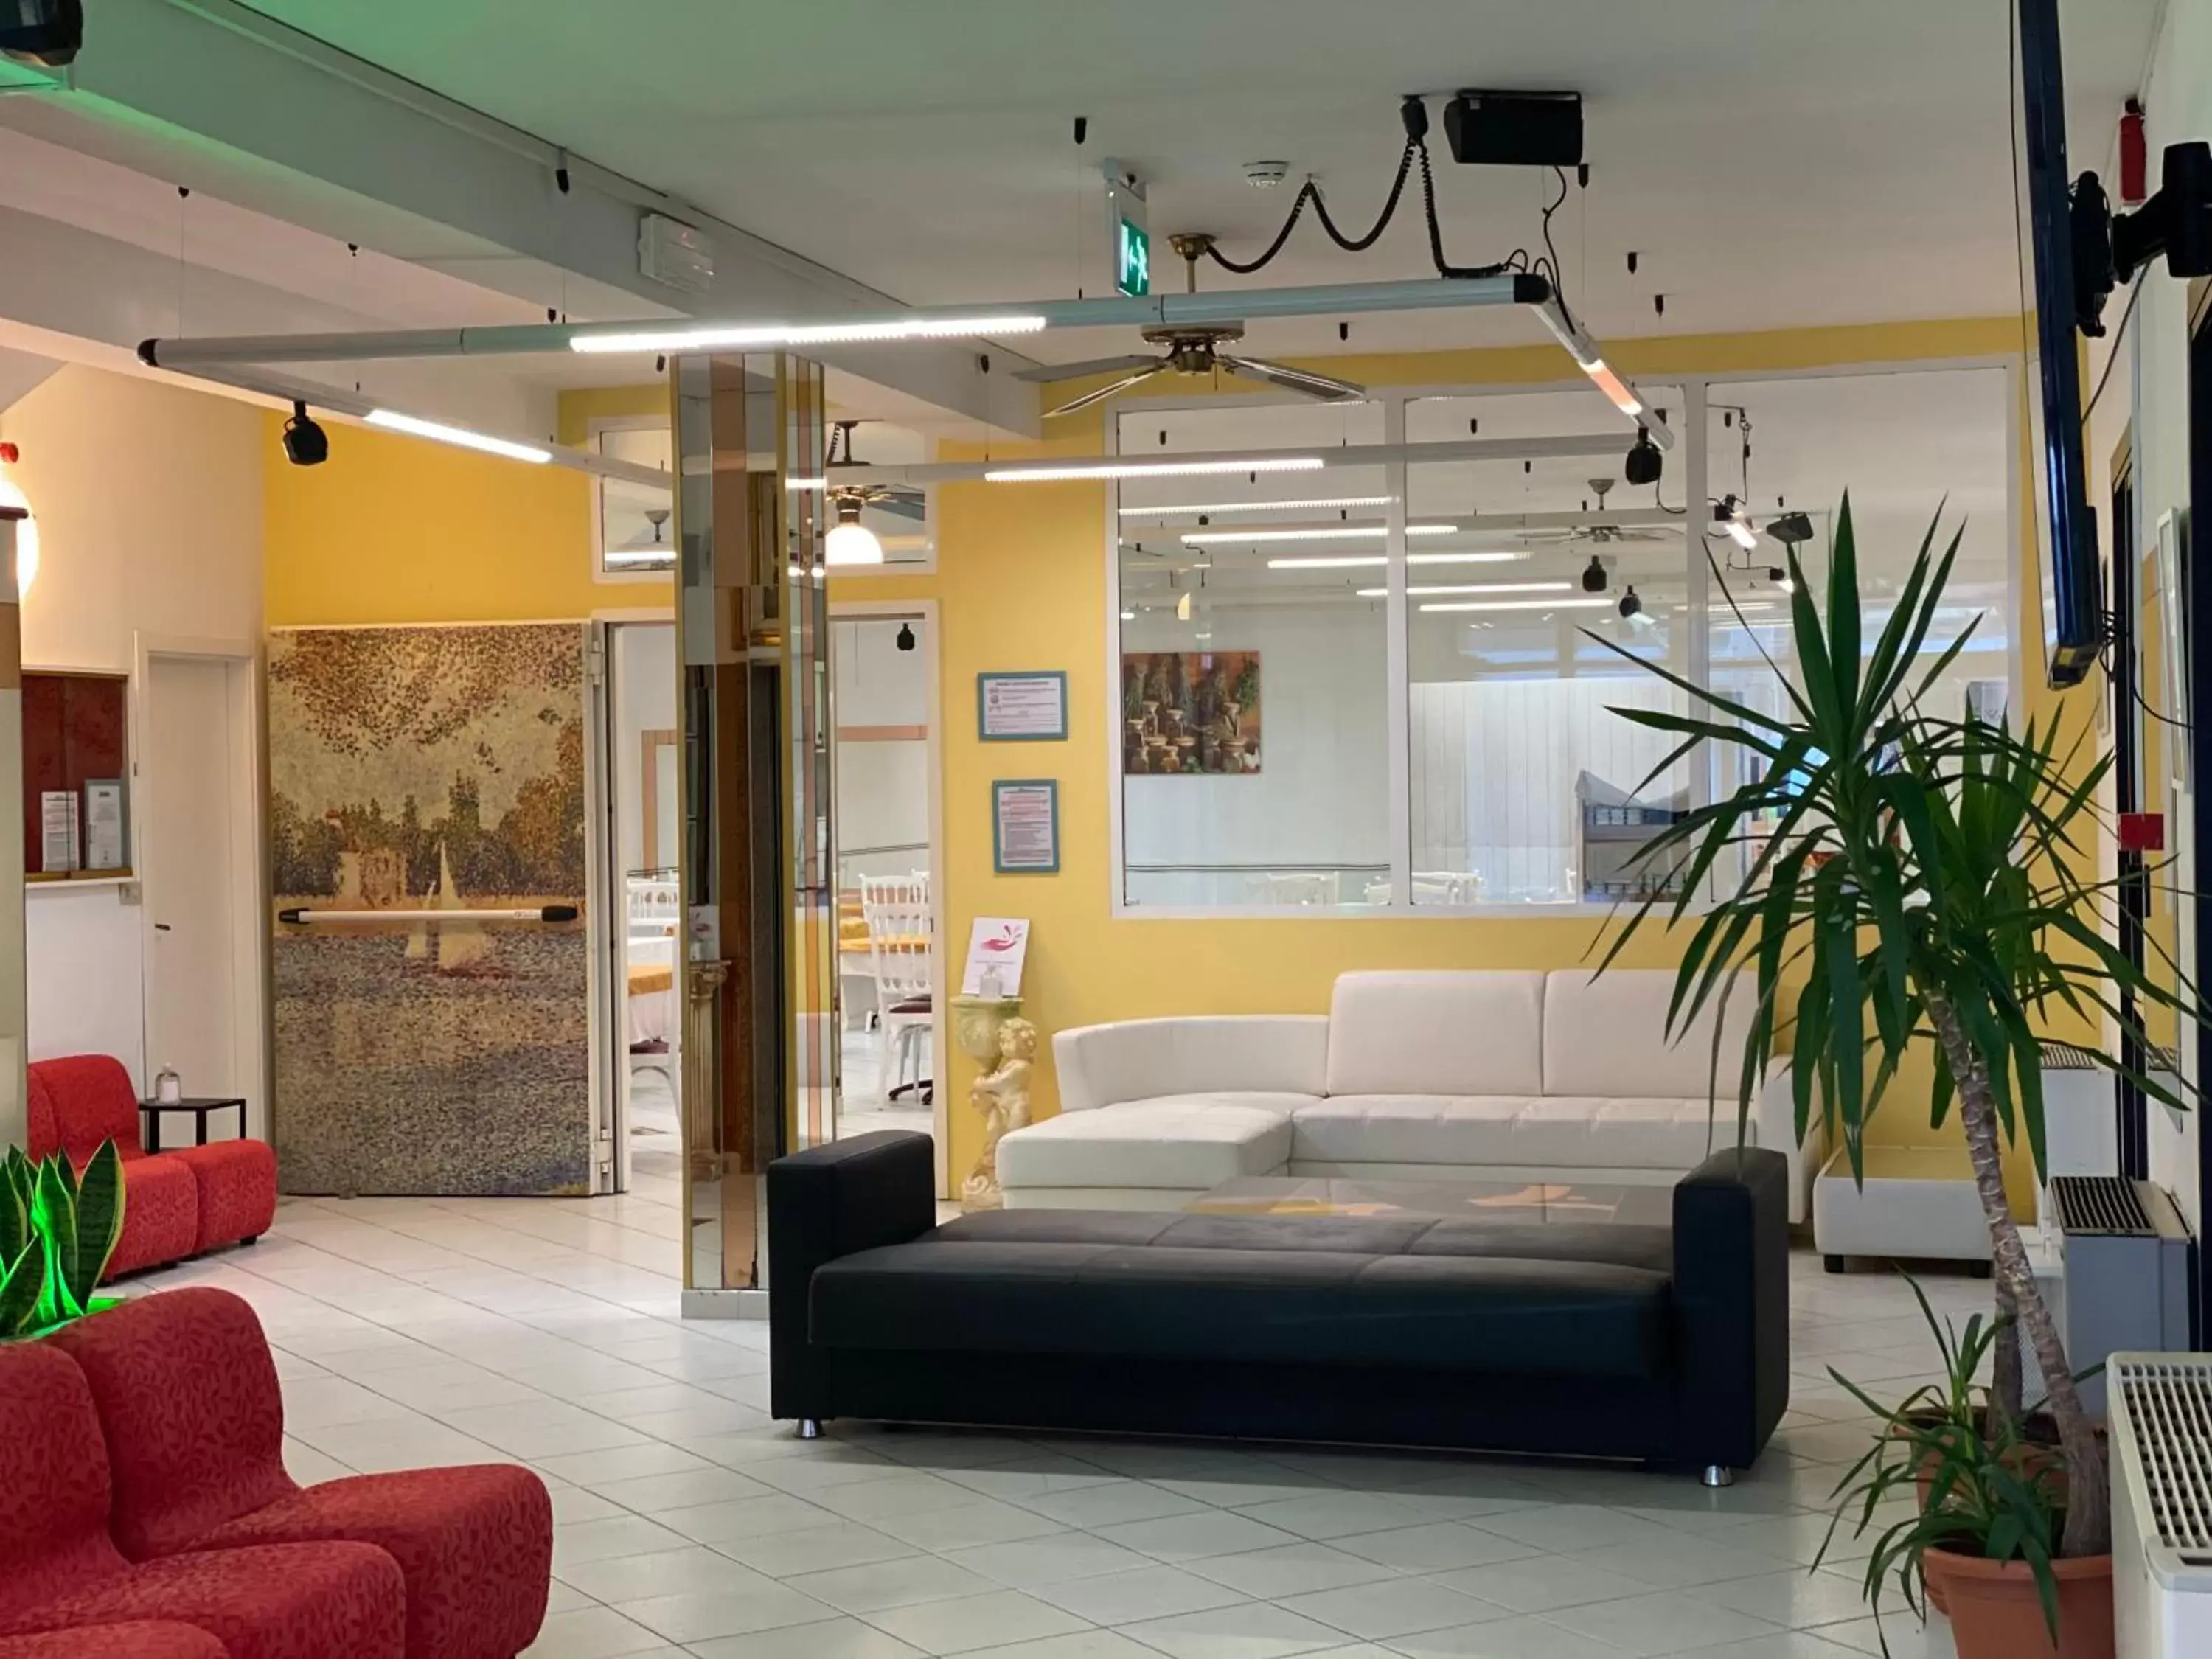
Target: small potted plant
[(1987, 1512), (1913, 879), (57, 1229)]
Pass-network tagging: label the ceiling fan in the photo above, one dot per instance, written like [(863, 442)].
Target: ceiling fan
[(899, 500), (1191, 350), (1599, 534)]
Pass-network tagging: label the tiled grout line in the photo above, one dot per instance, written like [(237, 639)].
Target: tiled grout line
[(479, 1331)]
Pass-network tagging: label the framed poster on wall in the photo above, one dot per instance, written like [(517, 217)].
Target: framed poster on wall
[(1022, 708), (1025, 827)]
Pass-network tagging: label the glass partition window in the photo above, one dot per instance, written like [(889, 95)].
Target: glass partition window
[(636, 535), (1254, 708), (1538, 574), (1403, 685)]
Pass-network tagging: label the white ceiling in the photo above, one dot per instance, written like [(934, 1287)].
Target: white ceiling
[(1774, 163)]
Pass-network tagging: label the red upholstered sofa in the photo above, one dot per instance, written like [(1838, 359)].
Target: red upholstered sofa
[(188, 1396), (60, 1570), (175, 1204), (140, 1640)]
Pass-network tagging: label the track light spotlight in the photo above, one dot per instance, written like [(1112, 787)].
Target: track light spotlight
[(1644, 461), (1790, 529), (305, 444), (1780, 578), (1629, 604), (1594, 576)]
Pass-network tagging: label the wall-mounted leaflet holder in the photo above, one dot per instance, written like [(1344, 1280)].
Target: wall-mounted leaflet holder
[(300, 916)]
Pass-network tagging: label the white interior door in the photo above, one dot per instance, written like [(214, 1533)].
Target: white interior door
[(188, 834)]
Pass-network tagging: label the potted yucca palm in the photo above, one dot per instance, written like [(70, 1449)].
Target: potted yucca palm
[(1909, 878)]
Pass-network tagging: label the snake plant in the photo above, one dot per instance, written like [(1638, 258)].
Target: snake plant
[(57, 1229)]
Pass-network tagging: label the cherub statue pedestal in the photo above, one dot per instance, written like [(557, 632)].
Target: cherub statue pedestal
[(990, 1032)]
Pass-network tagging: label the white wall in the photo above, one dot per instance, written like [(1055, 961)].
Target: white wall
[(883, 784), (149, 502), (645, 701), (1320, 797)]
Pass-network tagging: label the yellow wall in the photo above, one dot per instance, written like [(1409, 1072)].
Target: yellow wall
[(1021, 583), (393, 529)]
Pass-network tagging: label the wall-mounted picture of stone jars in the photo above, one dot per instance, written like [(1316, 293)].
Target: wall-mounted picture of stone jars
[(1190, 712)]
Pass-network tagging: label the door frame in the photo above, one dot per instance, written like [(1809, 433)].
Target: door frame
[(925, 612), (242, 660), (605, 925)]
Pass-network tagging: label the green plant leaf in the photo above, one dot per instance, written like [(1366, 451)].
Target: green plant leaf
[(22, 1282), (99, 1223), (15, 1204), (53, 1213)]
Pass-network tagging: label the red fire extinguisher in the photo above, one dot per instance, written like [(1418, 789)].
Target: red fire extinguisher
[(2134, 166)]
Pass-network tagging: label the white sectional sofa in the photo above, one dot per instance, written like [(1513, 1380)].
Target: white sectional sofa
[(1494, 1076)]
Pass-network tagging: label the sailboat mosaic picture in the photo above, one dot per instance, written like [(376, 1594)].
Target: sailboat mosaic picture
[(431, 772)]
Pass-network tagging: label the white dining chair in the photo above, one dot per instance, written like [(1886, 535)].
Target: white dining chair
[(902, 947)]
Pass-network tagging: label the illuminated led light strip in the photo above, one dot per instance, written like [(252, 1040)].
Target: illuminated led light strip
[(1519, 604), (1377, 561), (1473, 587), (1075, 471), (1346, 532), (765, 335), (459, 436), (1329, 504)]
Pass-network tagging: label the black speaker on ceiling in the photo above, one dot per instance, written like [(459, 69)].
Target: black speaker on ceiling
[(46, 33)]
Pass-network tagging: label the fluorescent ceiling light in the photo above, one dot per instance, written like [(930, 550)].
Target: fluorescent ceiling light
[(664, 554), (1614, 387), (806, 483), (1377, 561), (1521, 604), (761, 336), (1474, 587), (459, 435), (1078, 469), (1330, 504), (1344, 532)]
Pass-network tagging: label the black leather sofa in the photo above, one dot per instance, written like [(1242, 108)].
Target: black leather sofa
[(1665, 1345)]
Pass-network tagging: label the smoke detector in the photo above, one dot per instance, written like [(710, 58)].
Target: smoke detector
[(1265, 175)]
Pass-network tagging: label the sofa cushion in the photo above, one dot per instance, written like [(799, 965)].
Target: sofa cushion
[(1435, 1034), (1574, 1133), (93, 1099), (1154, 1059), (1608, 1037), (237, 1185), (1188, 1142), (1472, 1313)]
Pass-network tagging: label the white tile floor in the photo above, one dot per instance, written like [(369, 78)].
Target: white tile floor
[(413, 1331)]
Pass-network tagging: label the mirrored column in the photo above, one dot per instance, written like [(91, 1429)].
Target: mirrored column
[(759, 972)]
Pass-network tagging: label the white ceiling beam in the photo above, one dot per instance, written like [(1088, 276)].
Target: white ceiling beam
[(214, 94)]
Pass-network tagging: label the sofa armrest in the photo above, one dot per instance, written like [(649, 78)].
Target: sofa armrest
[(1774, 1124), (1197, 1053), (1732, 1304), (823, 1203)]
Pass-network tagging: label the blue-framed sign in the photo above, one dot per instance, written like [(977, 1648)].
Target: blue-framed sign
[(1025, 707), (1025, 826)]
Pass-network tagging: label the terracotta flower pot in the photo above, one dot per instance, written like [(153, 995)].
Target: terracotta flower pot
[(1996, 1613), (2040, 1455)]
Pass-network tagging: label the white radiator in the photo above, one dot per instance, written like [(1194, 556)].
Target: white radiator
[(2161, 1458)]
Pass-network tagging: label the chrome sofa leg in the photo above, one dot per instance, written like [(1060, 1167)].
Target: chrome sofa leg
[(810, 1428), (1717, 1475)]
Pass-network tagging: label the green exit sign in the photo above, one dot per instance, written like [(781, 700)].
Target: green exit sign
[(1132, 262)]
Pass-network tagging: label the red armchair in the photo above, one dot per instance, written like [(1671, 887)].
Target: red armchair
[(195, 1422), (135, 1641), (231, 1186), (60, 1570)]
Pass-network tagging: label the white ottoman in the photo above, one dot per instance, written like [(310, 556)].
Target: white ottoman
[(1918, 1202), (1145, 1154)]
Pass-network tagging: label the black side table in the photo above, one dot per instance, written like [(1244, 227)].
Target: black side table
[(199, 1105)]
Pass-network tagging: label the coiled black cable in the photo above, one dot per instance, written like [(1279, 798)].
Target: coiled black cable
[(1415, 116)]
